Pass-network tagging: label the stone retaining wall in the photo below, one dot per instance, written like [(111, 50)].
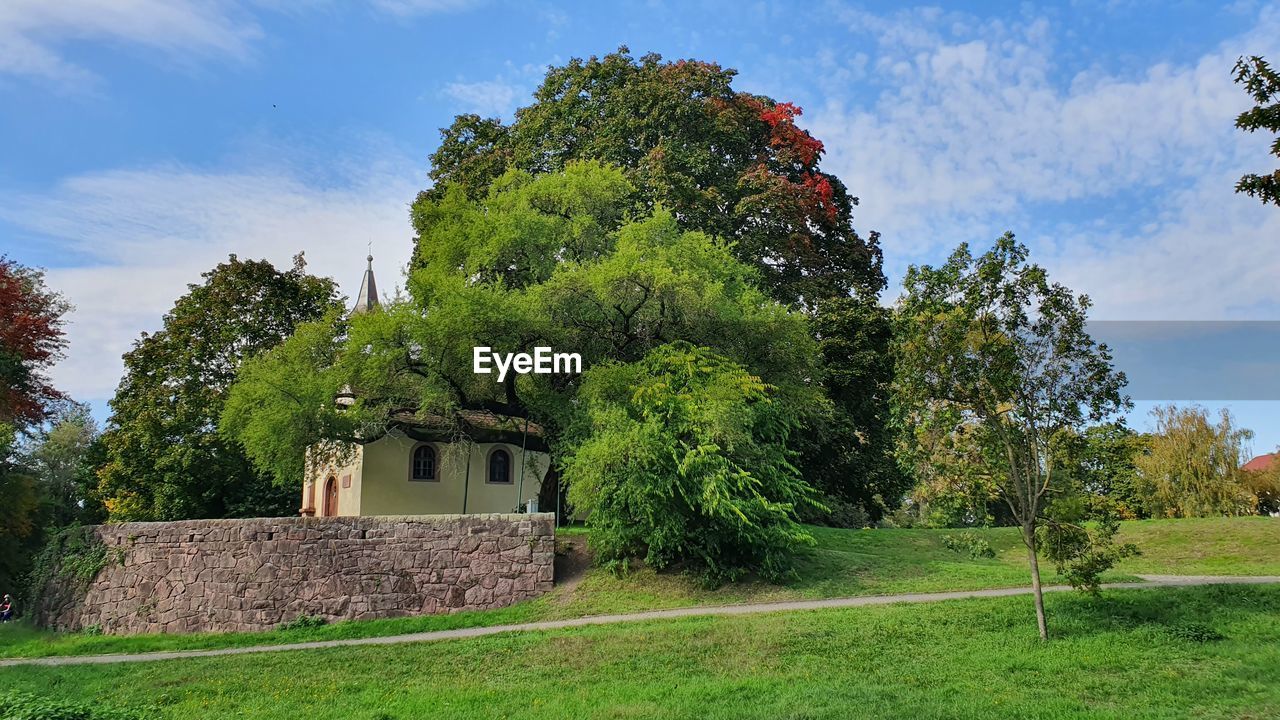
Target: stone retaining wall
[(226, 575)]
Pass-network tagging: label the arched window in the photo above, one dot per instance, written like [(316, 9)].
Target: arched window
[(500, 466), (423, 466)]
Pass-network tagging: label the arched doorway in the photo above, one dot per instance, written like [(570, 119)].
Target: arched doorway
[(331, 497)]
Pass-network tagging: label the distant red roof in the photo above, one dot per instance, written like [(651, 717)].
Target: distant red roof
[(1262, 462)]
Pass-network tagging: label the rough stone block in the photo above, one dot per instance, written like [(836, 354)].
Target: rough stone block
[(234, 575)]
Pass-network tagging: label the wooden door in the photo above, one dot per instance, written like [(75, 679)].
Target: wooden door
[(331, 497)]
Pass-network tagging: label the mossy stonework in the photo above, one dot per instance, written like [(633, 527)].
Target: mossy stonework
[(238, 575)]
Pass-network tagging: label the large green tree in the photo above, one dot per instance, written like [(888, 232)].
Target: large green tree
[(847, 453), (565, 260), (737, 167), (725, 162), (164, 457), (1262, 82), (992, 343)]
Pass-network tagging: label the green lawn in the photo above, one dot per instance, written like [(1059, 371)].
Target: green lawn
[(1211, 652), (844, 563)]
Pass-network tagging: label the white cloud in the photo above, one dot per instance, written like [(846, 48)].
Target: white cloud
[(35, 33), (32, 32), (487, 98), (501, 95), (409, 8), (978, 129), (152, 231)]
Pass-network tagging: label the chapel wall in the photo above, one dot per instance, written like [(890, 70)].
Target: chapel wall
[(387, 487)]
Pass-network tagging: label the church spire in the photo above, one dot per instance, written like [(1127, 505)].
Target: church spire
[(368, 297)]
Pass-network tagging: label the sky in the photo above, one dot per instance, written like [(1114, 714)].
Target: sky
[(142, 141)]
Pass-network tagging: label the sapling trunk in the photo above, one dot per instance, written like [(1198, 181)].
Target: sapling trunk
[(1029, 537)]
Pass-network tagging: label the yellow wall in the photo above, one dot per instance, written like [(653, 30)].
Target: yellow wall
[(348, 497), (385, 487)]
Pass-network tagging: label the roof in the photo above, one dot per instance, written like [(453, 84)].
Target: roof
[(471, 419), (478, 425), (368, 295), (1262, 462)]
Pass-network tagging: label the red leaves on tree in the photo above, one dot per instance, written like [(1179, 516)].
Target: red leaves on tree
[(31, 340), (820, 190), (789, 141)]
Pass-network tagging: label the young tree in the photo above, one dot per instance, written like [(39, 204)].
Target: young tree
[(31, 341), (63, 458), (558, 260), (1193, 466), (1262, 83), (992, 342), (164, 457)]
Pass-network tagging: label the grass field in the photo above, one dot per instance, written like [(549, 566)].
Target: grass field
[(1211, 652), (844, 563)]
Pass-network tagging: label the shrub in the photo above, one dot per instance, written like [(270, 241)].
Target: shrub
[(304, 622), (681, 460), (967, 543), (25, 706), (73, 555), (1195, 632)]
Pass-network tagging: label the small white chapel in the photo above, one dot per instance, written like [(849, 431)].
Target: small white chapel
[(426, 468)]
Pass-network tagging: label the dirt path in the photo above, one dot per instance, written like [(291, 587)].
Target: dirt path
[(1149, 581), (572, 562)]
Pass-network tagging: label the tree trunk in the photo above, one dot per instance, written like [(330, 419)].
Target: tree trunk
[(1029, 537)]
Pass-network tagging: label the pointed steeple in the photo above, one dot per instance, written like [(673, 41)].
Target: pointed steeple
[(368, 297)]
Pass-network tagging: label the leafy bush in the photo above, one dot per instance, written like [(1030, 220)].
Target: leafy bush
[(681, 459), (1082, 551), (1195, 632), (304, 622), (967, 543), (73, 554), (24, 706)]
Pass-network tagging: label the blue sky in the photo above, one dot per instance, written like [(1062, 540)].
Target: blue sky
[(143, 140)]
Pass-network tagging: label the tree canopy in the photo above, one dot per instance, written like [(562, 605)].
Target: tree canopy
[(31, 341), (725, 162), (565, 260), (1262, 83), (164, 457), (1192, 468), (735, 166)]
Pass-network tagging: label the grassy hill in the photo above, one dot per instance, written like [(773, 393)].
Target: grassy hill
[(844, 563)]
